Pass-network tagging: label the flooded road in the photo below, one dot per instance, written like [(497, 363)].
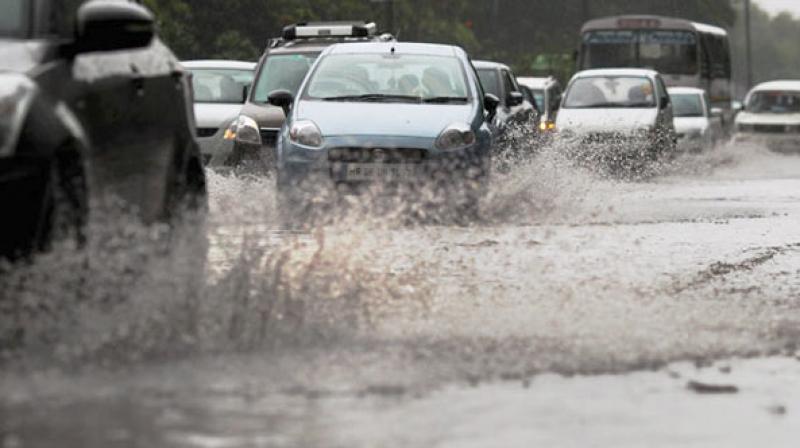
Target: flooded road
[(575, 314)]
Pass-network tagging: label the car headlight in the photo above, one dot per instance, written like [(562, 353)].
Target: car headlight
[(247, 131), (306, 133), (16, 96), (456, 136)]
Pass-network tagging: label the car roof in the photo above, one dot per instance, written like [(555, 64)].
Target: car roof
[(220, 64), (536, 83), (398, 47), (489, 65), (685, 91), (617, 72), (778, 85)]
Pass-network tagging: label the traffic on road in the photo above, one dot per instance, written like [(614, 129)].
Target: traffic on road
[(345, 237)]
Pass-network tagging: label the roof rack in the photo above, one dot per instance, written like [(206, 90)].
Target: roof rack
[(312, 30)]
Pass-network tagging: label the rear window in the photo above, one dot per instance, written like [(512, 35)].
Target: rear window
[(775, 102)]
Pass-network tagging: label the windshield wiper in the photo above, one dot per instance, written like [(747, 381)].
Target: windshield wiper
[(376, 97), (446, 99)]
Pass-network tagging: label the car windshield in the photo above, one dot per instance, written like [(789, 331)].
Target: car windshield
[(220, 85), (611, 92), (14, 19), (538, 97), (775, 102), (687, 105), (390, 77), (283, 72), (490, 80)]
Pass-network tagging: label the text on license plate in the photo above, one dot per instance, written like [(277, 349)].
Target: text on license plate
[(369, 171)]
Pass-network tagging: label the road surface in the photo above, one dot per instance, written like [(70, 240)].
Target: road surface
[(579, 312)]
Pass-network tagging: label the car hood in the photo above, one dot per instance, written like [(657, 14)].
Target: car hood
[(386, 119), (605, 120), (215, 115), (751, 118), (684, 125), (19, 56)]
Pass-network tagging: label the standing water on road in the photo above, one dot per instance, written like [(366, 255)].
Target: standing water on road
[(375, 331)]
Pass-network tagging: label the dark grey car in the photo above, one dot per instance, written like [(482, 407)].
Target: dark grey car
[(498, 79), (93, 106)]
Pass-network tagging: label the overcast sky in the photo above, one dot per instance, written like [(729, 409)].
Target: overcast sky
[(776, 6)]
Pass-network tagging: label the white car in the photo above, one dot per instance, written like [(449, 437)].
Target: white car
[(771, 116), (220, 90), (621, 113), (699, 126)]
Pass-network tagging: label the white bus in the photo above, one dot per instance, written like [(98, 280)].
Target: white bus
[(687, 54)]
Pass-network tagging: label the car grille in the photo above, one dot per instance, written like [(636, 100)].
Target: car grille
[(373, 155), (269, 137), (606, 137), (769, 128), (206, 132)]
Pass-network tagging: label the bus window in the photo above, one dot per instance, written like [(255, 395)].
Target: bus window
[(672, 52), (608, 49)]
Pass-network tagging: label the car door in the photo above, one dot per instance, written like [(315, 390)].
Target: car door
[(517, 113), (664, 119), (134, 107)]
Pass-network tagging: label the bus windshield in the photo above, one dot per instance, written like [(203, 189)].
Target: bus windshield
[(666, 51)]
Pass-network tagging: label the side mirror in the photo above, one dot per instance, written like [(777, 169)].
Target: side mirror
[(515, 99), (491, 103), (282, 99), (108, 25)]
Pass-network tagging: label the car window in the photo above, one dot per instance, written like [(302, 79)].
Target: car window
[(61, 17), (490, 81), (775, 102), (220, 86), (538, 98), (611, 92), (509, 82), (420, 76), (283, 72), (14, 21), (688, 105)]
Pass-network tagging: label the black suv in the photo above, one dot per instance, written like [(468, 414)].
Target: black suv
[(284, 66), (92, 106)]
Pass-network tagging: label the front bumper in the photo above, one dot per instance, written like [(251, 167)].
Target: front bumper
[(402, 162), (788, 143)]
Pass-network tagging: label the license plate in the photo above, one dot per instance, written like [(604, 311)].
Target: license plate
[(380, 171)]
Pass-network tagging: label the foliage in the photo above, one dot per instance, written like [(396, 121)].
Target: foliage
[(518, 32)]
